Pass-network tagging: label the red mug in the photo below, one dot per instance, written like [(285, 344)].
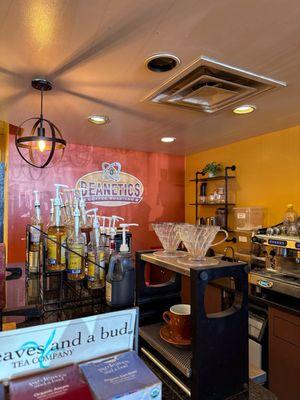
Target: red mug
[(179, 320)]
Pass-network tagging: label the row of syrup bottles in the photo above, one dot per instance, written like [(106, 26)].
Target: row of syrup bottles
[(72, 240)]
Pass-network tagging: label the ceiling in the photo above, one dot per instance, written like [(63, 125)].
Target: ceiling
[(94, 50)]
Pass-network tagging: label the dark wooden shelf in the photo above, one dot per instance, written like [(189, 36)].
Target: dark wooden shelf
[(215, 178)]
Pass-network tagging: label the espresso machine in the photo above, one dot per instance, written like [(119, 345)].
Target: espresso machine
[(275, 261)]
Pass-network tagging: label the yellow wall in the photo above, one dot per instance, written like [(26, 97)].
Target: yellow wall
[(268, 172)]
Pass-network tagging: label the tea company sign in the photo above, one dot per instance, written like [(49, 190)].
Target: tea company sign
[(52, 345), (110, 186)]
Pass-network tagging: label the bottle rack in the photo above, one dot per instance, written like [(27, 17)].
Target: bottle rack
[(216, 365), (51, 290), (226, 205)]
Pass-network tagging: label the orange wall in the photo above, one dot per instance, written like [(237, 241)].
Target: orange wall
[(162, 176), (267, 172)]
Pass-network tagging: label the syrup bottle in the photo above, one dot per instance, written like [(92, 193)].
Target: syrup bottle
[(120, 278), (57, 235), (35, 237), (96, 256)]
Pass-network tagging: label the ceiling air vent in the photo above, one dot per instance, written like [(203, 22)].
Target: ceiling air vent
[(208, 85)]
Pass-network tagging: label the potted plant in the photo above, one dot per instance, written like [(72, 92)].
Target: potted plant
[(212, 169)]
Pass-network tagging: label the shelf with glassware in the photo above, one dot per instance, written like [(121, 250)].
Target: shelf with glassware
[(221, 196)]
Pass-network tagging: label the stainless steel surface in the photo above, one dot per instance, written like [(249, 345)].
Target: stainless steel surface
[(280, 241), (279, 283), (179, 357), (166, 371), (275, 263)]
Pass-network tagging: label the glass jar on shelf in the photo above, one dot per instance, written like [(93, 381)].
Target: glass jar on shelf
[(212, 197), (203, 188), (221, 195)]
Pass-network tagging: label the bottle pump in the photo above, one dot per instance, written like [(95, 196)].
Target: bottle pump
[(120, 278), (37, 205), (57, 203), (76, 262), (57, 235), (67, 204), (96, 256), (51, 214), (105, 233), (113, 232), (84, 225)]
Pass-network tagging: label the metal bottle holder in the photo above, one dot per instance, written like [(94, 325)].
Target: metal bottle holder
[(52, 290)]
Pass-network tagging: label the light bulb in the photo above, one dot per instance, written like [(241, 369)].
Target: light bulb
[(168, 139), (41, 145), (244, 109), (98, 119)]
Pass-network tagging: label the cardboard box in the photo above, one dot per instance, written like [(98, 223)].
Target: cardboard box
[(122, 376), (61, 384)]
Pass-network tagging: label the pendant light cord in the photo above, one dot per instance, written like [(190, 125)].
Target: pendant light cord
[(42, 101)]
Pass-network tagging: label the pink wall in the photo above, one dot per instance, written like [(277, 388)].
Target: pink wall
[(162, 176)]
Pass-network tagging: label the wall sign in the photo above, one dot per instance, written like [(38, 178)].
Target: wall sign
[(33, 349), (110, 186)]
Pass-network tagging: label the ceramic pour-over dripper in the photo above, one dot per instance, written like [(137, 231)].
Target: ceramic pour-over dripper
[(197, 240), (169, 237)]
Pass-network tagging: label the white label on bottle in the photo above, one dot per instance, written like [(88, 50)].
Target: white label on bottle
[(241, 215), (243, 239), (35, 235), (108, 292)]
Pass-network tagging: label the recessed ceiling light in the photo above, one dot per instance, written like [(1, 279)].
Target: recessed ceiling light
[(162, 62), (99, 119), (168, 139), (244, 109)]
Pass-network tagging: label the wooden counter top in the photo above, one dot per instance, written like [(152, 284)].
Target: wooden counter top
[(172, 264)]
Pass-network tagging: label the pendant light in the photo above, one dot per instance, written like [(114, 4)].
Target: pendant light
[(39, 143)]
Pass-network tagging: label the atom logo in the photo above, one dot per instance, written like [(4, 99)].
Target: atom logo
[(111, 171)]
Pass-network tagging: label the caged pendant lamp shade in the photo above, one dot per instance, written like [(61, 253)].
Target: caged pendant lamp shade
[(38, 148)]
